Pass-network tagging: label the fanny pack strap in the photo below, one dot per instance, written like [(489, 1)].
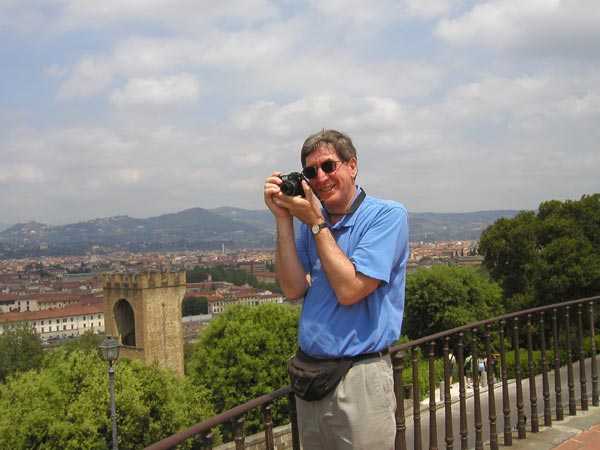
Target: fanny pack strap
[(379, 354)]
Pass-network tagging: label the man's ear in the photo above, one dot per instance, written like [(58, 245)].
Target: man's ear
[(353, 165)]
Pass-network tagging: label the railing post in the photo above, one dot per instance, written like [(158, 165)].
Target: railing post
[(238, 432), (535, 427), (464, 433), (294, 421), (208, 440), (398, 367), (476, 391), (518, 381), (557, 381), (449, 439), (582, 374), (416, 400), (268, 424), (505, 396), (432, 404), (545, 382), (595, 401), (570, 375), (491, 394)]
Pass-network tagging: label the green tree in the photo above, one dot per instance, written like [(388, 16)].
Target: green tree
[(243, 354), (20, 349), (230, 274), (66, 404), (193, 306), (547, 257), (196, 275), (445, 297), (511, 253), (88, 342)]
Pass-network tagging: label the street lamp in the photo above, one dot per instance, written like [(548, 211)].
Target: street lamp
[(109, 351)]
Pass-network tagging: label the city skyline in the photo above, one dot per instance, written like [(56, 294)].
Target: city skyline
[(149, 108)]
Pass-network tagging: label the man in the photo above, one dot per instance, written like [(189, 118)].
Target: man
[(349, 264)]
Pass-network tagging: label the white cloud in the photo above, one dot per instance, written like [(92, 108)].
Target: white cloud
[(357, 14), (88, 78), (313, 112), (57, 16), (127, 176), (528, 27), (431, 8), (164, 92), (142, 55), (55, 71), (21, 173)]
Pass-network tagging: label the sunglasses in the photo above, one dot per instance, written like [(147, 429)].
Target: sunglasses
[(328, 166)]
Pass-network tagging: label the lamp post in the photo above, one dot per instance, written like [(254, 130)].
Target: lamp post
[(109, 351)]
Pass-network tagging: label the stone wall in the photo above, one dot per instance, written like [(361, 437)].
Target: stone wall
[(282, 440)]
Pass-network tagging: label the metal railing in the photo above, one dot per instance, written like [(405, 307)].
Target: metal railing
[(494, 340)]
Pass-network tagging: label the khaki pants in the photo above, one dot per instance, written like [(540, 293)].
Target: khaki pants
[(358, 415)]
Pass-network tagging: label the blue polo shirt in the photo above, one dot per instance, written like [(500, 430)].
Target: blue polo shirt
[(375, 238)]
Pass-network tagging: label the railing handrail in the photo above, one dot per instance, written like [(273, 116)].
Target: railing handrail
[(225, 416), (483, 323)]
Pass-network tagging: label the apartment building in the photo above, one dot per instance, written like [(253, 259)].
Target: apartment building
[(36, 302), (59, 323), (217, 305)]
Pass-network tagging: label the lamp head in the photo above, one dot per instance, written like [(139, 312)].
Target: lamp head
[(109, 349)]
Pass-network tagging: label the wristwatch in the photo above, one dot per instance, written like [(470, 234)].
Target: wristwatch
[(318, 227)]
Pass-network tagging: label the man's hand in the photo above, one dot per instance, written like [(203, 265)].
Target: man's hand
[(307, 209), (272, 194)]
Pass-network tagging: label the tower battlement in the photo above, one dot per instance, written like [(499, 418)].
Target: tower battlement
[(143, 280)]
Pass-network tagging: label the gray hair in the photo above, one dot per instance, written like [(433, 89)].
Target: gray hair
[(342, 143)]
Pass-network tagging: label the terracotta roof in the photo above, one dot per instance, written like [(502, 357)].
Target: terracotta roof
[(49, 297), (67, 311)]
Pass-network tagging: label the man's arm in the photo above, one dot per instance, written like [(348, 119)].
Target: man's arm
[(290, 273), (349, 285)]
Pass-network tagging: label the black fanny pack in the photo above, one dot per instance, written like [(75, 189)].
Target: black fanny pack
[(312, 378)]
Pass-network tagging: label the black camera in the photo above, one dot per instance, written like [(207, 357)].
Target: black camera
[(292, 184)]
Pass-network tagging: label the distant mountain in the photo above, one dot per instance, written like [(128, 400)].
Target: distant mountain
[(431, 227), (262, 219), (199, 228), (194, 228)]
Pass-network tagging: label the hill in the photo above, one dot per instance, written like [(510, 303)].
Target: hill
[(203, 229), (433, 227)]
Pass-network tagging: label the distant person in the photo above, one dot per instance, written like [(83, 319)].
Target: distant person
[(348, 262), (469, 370), (482, 371), (452, 364)]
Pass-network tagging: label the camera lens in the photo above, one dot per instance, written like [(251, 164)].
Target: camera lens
[(290, 188), (292, 184)]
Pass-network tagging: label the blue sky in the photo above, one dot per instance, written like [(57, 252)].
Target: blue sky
[(147, 107)]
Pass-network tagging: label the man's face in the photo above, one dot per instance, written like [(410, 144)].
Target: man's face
[(336, 189)]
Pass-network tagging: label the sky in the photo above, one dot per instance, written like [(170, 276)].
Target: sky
[(148, 107)]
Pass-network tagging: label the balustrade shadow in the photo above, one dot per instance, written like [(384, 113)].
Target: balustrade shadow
[(537, 350)]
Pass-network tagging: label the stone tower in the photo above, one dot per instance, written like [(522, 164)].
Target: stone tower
[(143, 311)]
